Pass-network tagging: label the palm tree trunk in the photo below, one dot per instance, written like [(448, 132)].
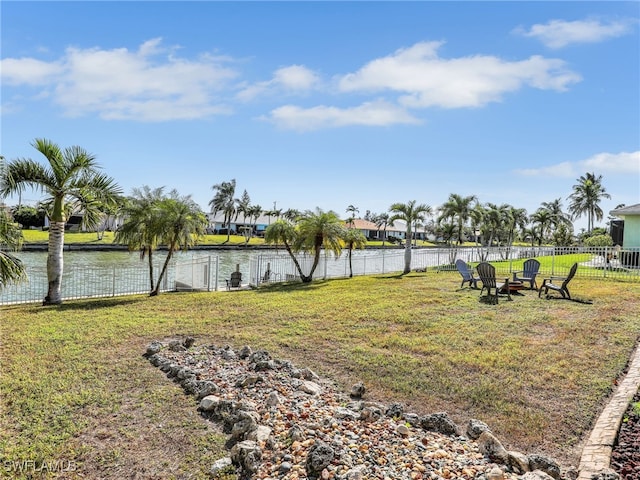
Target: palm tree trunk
[(55, 264), (407, 253), (303, 277), (163, 271), (149, 251), (350, 266)]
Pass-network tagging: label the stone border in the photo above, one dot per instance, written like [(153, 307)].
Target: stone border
[(596, 454)]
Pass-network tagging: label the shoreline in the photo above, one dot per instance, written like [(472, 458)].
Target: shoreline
[(106, 247)]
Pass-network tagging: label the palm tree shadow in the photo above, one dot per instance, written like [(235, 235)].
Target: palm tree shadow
[(96, 304)]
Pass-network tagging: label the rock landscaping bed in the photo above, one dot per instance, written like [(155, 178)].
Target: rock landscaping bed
[(625, 458), (286, 423)]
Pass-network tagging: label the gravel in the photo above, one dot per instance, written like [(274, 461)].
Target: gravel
[(301, 412), (625, 458)]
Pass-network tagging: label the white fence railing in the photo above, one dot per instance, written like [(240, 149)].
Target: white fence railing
[(203, 274)]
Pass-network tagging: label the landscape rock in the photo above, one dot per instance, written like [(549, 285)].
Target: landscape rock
[(490, 446)]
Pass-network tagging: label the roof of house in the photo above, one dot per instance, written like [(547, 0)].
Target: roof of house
[(630, 210)]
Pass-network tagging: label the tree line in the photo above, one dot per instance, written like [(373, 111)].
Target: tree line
[(72, 182)]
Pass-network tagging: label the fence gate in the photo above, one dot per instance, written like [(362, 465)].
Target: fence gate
[(198, 274)]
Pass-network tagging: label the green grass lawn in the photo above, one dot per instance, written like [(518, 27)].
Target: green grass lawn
[(39, 236), (74, 386)]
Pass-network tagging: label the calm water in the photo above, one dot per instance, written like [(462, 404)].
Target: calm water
[(96, 273)]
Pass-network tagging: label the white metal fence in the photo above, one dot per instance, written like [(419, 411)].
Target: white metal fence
[(203, 274)]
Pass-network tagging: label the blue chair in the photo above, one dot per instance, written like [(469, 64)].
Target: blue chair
[(528, 273), (467, 274)]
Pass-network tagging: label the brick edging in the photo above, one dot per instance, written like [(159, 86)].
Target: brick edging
[(596, 454)]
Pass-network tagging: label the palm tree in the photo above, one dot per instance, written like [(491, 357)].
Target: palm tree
[(316, 231), (141, 230), (254, 212), (353, 238), (12, 269), (224, 201), (586, 196), (244, 204), (284, 232), (182, 224), (410, 213), (353, 211), (382, 220), (72, 178), (543, 219), (457, 208), (291, 214)]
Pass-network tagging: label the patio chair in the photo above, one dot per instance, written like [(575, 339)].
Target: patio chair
[(528, 273), (487, 274), (467, 274), (558, 284), (235, 281)]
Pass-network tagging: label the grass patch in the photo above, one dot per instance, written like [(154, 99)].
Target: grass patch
[(74, 387)]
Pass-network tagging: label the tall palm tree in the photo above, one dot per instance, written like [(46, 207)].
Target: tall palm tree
[(12, 269), (141, 227), (319, 230), (353, 238), (224, 201), (72, 178), (182, 224), (409, 212), (586, 196), (458, 209)]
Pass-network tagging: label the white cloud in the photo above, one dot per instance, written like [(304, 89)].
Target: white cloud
[(560, 33), (29, 71), (292, 79), (121, 84), (377, 113), (426, 80), (614, 163)]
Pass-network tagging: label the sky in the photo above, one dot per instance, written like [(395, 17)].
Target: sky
[(331, 104)]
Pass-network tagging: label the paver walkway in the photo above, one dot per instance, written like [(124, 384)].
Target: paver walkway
[(596, 455)]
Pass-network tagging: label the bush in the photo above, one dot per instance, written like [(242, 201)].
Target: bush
[(603, 240)]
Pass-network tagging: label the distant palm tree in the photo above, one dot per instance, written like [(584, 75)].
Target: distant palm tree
[(586, 196), (409, 213), (182, 224), (382, 220), (352, 211), (353, 238), (224, 201), (254, 212), (458, 209), (72, 179), (12, 269), (291, 214), (544, 219)]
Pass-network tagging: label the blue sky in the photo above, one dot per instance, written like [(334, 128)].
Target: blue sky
[(331, 104)]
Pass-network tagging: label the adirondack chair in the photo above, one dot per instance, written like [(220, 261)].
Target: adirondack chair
[(487, 274), (528, 273), (558, 284), (467, 274), (235, 281)]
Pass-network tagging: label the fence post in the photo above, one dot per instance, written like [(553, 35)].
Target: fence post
[(209, 274), (113, 282)]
